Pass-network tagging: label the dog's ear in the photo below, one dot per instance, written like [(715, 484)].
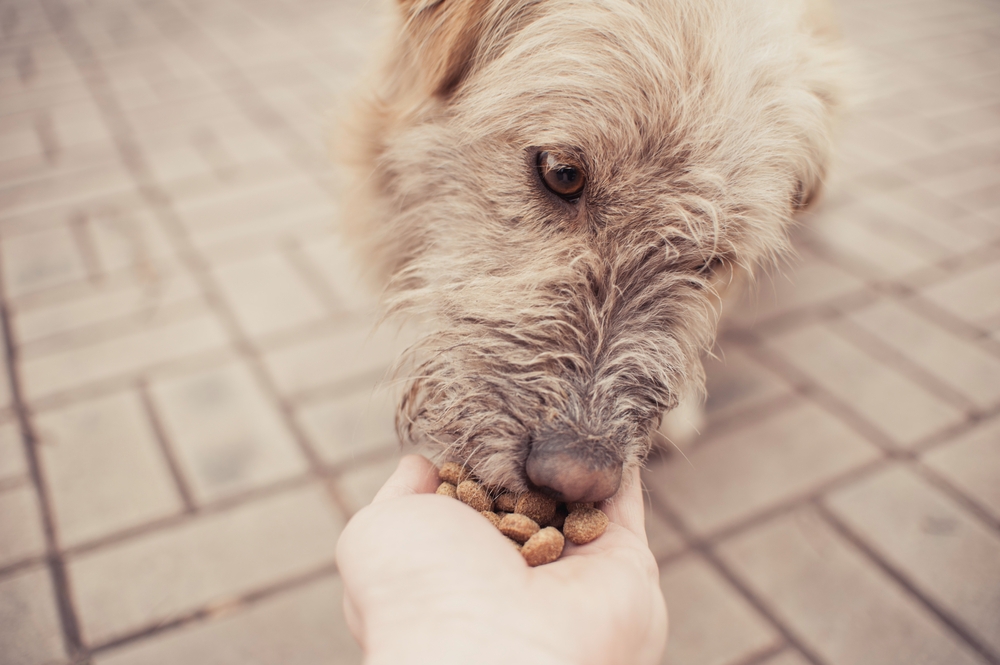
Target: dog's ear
[(442, 36)]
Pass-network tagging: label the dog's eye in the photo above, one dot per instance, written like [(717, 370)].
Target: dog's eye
[(562, 177)]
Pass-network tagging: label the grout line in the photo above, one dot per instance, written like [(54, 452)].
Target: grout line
[(242, 602), (763, 656), (166, 448), (942, 614), (54, 559)]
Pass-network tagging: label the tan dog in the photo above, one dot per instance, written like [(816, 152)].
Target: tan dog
[(562, 187)]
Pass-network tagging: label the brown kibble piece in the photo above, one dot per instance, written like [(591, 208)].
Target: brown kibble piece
[(493, 518), (537, 506), (584, 525), (543, 547), (447, 489), (506, 502), (453, 473), (577, 505), (516, 544), (472, 494), (518, 527)]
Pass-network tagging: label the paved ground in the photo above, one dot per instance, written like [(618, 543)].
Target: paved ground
[(191, 414)]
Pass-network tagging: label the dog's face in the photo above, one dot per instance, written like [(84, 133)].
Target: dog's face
[(561, 185)]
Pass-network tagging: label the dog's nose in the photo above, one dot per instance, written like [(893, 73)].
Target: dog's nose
[(572, 475)]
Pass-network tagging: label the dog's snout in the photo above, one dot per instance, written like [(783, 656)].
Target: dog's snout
[(577, 472)]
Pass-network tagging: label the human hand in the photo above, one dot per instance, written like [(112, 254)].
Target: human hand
[(429, 580)]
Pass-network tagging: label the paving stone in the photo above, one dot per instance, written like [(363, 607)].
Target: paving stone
[(758, 466), (710, 623), (302, 626), (360, 485), (972, 463), (127, 237), (903, 410), (787, 657), (21, 535), (831, 597), (960, 363), (30, 632), (663, 539), (104, 467), (808, 281), (229, 437), (344, 428), (341, 273), (738, 383), (880, 255), (347, 354), (212, 559), (267, 295), (121, 357), (972, 296), (39, 260), (141, 299), (12, 461), (946, 552)]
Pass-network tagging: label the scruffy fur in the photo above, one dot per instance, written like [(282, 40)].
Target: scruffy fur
[(702, 127)]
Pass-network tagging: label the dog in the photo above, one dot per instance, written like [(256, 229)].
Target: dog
[(566, 190)]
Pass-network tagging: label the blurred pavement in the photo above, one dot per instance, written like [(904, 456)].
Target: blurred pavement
[(192, 411)]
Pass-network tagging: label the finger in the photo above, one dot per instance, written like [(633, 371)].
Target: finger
[(414, 475), (626, 509)]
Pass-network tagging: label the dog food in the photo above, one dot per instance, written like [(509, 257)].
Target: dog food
[(536, 524)]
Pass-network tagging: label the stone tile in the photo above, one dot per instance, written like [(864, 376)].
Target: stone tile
[(903, 410), (303, 626), (663, 539), (140, 299), (41, 259), (743, 472), (961, 364), (348, 353), (267, 295), (359, 485), (12, 461), (212, 559), (880, 255), (737, 383), (833, 599), (341, 429), (30, 631), (947, 553), (808, 281), (280, 196), (121, 357), (341, 273), (972, 463), (127, 237), (229, 437), (710, 623), (973, 296), (104, 467), (21, 534)]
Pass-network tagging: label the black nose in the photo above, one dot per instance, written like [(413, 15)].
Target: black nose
[(574, 468)]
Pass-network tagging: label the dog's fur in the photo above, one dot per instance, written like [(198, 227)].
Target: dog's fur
[(702, 127)]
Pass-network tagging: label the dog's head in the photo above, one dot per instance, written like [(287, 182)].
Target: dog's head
[(561, 185)]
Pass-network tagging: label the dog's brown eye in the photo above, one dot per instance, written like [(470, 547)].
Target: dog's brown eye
[(560, 176)]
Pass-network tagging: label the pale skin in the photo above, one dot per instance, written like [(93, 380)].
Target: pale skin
[(428, 580)]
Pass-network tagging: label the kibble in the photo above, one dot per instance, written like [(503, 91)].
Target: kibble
[(472, 494), (537, 506), (543, 547), (447, 489), (584, 525), (535, 524), (453, 473), (518, 527)]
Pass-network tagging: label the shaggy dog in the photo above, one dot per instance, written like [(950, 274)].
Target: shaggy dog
[(564, 188)]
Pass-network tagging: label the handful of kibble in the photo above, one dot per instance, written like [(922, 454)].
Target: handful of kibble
[(536, 524)]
